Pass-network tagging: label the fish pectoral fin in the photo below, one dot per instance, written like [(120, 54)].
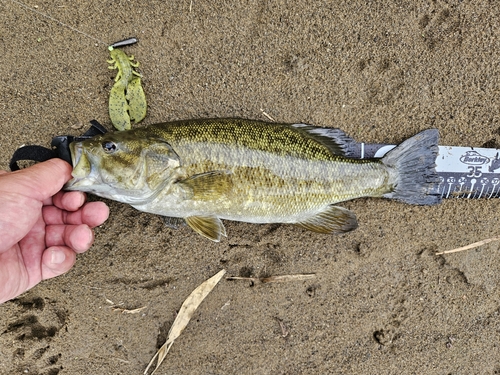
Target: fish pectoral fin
[(208, 186), (210, 227), (332, 220)]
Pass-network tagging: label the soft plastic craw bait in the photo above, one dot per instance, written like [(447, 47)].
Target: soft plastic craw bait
[(127, 100)]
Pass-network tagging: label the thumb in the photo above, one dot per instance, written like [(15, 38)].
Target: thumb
[(40, 181)]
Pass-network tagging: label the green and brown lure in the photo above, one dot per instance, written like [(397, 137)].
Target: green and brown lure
[(127, 100)]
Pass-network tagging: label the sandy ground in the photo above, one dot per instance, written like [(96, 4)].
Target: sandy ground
[(381, 303)]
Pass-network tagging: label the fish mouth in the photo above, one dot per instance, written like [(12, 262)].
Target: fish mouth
[(81, 168)]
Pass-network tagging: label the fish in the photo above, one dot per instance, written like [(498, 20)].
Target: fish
[(204, 171)]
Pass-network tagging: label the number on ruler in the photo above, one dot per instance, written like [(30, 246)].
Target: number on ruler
[(475, 171)]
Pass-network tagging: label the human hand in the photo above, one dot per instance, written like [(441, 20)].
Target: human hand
[(42, 228)]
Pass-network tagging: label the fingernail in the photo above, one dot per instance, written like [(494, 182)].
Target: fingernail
[(57, 257)]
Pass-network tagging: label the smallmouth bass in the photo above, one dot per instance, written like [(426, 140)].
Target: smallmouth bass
[(206, 170)]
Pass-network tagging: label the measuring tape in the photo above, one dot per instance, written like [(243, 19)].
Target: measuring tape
[(464, 172)]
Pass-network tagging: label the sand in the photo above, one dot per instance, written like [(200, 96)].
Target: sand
[(381, 302)]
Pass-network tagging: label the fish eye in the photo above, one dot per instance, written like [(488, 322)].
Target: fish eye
[(109, 147)]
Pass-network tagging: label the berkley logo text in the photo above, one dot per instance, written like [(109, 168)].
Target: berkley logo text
[(474, 158)]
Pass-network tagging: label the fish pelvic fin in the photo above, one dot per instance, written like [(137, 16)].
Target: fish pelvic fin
[(332, 220), (210, 227), (413, 164)]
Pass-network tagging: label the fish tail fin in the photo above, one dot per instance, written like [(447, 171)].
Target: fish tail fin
[(413, 163)]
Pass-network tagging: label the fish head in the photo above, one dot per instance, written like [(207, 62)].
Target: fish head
[(123, 167)]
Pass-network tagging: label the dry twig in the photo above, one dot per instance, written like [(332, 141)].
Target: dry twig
[(126, 311), (284, 330), (274, 279), (471, 246), (267, 115)]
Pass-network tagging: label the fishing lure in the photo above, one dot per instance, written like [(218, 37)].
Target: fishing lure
[(127, 100)]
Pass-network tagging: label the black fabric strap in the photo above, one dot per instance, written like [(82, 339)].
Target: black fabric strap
[(59, 144), (34, 153)]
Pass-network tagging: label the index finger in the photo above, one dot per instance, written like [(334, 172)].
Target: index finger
[(67, 200), (93, 214)]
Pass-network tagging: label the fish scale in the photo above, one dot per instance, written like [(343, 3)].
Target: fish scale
[(273, 165), (246, 170)]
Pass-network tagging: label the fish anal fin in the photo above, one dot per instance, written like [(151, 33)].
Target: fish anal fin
[(210, 227), (332, 220), (208, 186)]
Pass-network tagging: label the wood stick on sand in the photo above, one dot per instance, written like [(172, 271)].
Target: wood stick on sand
[(471, 246)]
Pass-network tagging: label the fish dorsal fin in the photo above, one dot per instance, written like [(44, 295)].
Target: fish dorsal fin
[(210, 227), (338, 142), (332, 220), (208, 186)]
